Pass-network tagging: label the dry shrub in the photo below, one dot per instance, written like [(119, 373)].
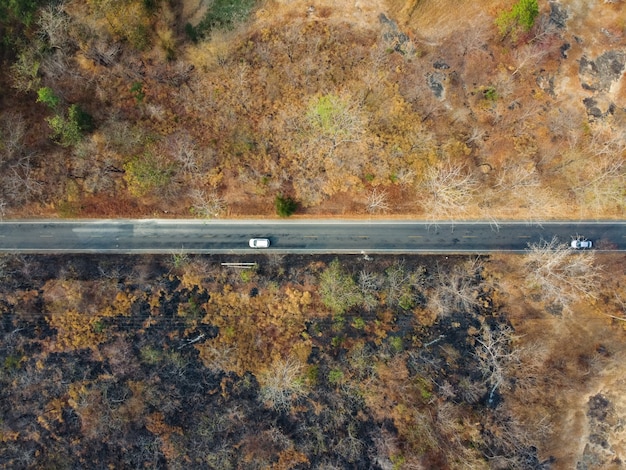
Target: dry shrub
[(255, 330), (282, 384), (561, 275)]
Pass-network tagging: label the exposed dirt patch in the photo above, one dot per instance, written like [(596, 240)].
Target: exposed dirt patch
[(358, 13)]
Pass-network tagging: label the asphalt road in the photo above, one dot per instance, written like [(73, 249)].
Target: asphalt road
[(319, 236)]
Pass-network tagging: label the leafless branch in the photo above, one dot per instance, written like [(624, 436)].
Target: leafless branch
[(451, 188), (207, 204), (495, 355), (377, 201), (561, 274)]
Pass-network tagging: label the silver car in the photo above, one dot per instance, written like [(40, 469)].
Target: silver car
[(579, 244), (259, 243)]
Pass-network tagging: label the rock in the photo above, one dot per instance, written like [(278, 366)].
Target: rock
[(604, 428), (564, 48), (384, 20), (514, 104), (440, 65), (601, 73), (558, 15), (598, 107), (435, 83), (545, 81), (598, 407), (393, 34)]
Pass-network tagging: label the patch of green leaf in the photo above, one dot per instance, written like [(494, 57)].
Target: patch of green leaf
[(69, 130), (222, 14), (285, 206), (47, 96), (335, 376), (338, 289), (146, 173), (137, 90), (521, 17)]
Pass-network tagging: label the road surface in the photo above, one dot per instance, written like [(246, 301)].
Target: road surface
[(317, 236)]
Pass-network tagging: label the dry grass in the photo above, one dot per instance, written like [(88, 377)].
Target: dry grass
[(566, 359), (435, 20), (244, 94)]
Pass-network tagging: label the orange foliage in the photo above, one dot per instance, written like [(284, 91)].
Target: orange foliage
[(256, 330), (76, 330), (289, 459), (155, 423)]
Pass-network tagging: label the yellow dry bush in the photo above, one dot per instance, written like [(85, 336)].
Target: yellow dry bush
[(76, 330), (290, 458), (125, 19), (189, 280), (122, 303), (255, 331), (52, 412), (155, 423), (206, 55)]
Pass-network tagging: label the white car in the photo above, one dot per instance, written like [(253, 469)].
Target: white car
[(579, 244), (259, 243)]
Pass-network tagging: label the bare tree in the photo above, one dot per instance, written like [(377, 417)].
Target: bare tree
[(103, 52), (54, 25), (601, 186), (495, 355), (207, 204), (517, 175), (560, 274), (451, 188), (458, 289), (12, 132), (375, 71), (605, 188), (474, 39), (184, 150), (476, 136), (369, 283), (377, 201), (510, 444), (58, 66), (19, 183), (350, 447), (282, 384), (529, 55)]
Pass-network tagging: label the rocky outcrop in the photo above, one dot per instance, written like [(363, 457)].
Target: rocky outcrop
[(392, 34), (558, 15), (601, 73), (604, 423), (598, 76)]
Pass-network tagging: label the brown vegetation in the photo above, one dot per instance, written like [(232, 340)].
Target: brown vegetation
[(395, 108), (370, 363), (399, 108)]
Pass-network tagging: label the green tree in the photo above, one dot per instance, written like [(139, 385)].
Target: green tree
[(285, 206), (146, 173), (25, 70), (16, 22), (520, 17), (69, 130), (335, 118), (47, 96), (338, 289)]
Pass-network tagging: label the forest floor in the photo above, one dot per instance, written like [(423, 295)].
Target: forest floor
[(412, 360)]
